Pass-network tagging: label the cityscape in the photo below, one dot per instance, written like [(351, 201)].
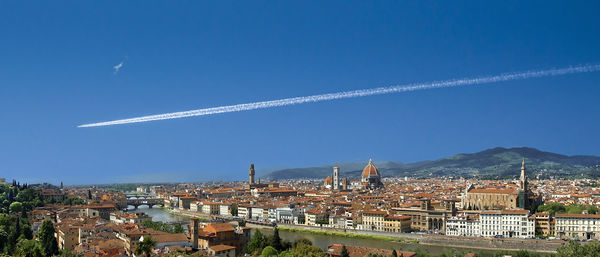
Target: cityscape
[(410, 216), (299, 129)]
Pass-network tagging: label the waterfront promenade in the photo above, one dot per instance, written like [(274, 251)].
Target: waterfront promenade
[(479, 243)]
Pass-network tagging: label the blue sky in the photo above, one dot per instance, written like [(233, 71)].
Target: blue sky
[(56, 72)]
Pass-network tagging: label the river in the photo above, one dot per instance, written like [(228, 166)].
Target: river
[(322, 241)]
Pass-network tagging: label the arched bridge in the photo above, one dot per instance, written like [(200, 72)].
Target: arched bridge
[(136, 202)]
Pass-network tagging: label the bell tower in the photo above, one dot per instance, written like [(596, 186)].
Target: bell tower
[(523, 179), (251, 173), (523, 201), (336, 178)]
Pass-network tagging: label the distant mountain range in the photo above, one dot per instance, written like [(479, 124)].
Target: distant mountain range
[(493, 163)]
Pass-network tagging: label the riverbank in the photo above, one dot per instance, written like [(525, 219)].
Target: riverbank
[(184, 213), (476, 243), (349, 235)]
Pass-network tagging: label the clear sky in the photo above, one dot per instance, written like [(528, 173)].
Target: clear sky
[(56, 72)]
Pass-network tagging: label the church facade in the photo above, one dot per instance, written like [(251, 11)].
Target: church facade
[(499, 199)]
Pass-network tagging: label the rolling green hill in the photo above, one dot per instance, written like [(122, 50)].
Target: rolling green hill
[(492, 163)]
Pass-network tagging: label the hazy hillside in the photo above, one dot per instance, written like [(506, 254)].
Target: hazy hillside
[(492, 163)]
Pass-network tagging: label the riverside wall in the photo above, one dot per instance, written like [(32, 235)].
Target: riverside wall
[(511, 244)]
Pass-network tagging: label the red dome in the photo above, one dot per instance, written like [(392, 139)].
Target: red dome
[(370, 170)]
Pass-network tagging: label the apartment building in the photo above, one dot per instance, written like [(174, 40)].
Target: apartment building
[(507, 223), (577, 226), (463, 225)]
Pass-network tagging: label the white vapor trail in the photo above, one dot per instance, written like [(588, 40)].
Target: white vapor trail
[(357, 93)]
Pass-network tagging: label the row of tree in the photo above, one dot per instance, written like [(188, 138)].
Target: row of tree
[(161, 226), (554, 208), (18, 198), (269, 246)]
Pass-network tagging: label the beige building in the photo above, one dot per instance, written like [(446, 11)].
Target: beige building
[(184, 202), (215, 234), (221, 250), (396, 223), (429, 215), (67, 237), (577, 226), (210, 208), (490, 199), (373, 220)]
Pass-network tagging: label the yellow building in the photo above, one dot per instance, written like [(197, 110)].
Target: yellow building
[(543, 224), (373, 220), (396, 223), (67, 237)]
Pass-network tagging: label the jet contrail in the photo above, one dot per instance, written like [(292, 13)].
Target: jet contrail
[(357, 93)]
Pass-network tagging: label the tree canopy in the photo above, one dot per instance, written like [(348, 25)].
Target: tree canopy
[(47, 239), (145, 246)]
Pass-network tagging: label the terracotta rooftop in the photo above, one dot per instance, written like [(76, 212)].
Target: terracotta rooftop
[(492, 191), (218, 227), (584, 216), (220, 248)]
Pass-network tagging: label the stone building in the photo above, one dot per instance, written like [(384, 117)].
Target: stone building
[(370, 177), (215, 234), (463, 225), (429, 216), (577, 226), (507, 223), (498, 199), (490, 199)]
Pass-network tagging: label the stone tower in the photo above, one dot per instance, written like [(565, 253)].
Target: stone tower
[(336, 178), (523, 201), (194, 233), (251, 173), (523, 179)]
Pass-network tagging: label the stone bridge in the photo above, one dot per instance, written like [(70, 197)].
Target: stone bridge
[(136, 202)]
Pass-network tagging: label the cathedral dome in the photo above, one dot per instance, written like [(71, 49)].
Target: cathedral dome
[(370, 170), (328, 181)]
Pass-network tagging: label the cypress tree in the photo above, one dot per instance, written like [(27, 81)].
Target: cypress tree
[(276, 240), (47, 239)]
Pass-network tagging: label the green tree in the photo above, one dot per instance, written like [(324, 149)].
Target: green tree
[(178, 228), (345, 252), (29, 248), (16, 207), (276, 240), (552, 208), (301, 241), (47, 239), (257, 243), (269, 251), (575, 249), (303, 250), (286, 254), (145, 246), (234, 210)]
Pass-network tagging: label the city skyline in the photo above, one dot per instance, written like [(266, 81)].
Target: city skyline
[(88, 62)]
